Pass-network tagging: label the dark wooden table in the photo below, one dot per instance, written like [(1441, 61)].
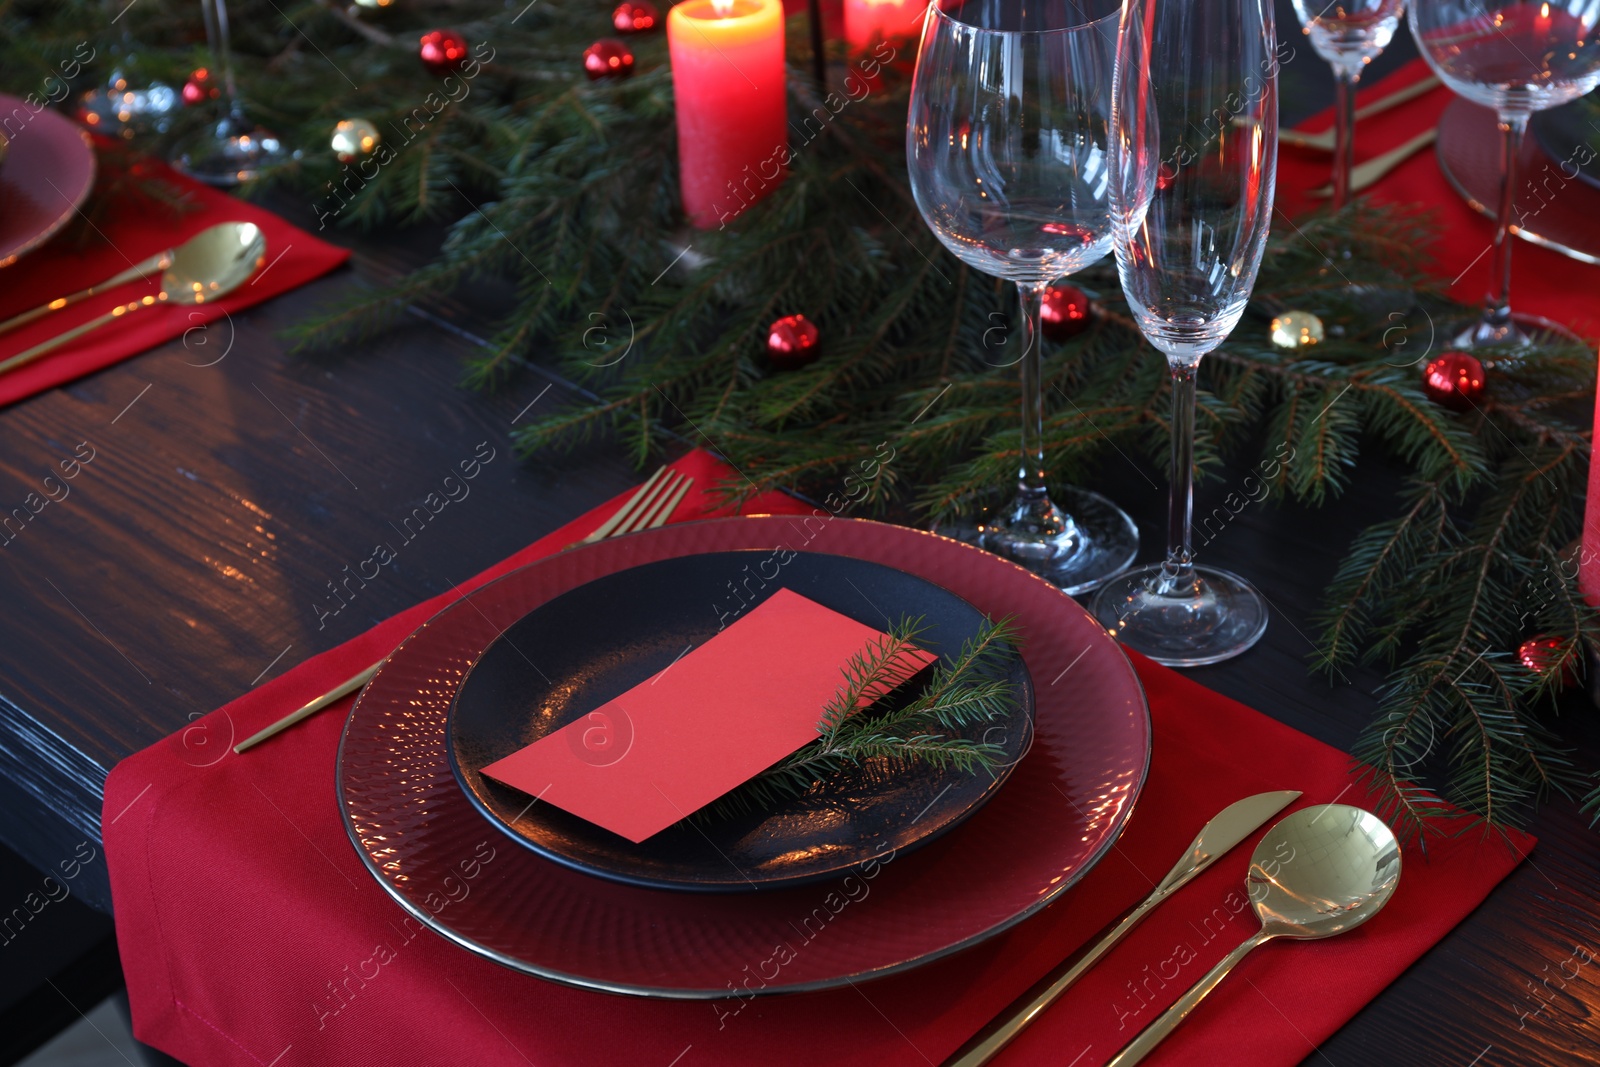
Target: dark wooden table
[(192, 559)]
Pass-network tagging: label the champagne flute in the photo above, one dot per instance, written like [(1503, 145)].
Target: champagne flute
[(233, 150), (1006, 151), (1349, 34), (1516, 58), (1194, 150)]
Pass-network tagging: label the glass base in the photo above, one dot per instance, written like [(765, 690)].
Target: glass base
[(1214, 617), (1082, 542), (1514, 331), (232, 152)]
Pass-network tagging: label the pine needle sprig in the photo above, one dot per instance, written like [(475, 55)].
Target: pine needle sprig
[(871, 728)]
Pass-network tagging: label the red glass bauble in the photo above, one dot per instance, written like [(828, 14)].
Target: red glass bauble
[(199, 88), (607, 58), (1542, 654), (792, 342), (635, 16), (1066, 312), (442, 52), (1454, 380)]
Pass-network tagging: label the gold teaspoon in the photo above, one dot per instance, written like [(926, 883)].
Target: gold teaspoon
[(212, 264), (1317, 873)]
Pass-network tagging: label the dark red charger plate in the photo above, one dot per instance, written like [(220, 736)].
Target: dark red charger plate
[(46, 176), (444, 863)]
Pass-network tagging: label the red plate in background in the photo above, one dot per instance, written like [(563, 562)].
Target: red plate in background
[(47, 174)]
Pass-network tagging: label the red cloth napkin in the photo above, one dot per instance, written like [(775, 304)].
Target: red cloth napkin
[(244, 915), (136, 229), (1543, 282)]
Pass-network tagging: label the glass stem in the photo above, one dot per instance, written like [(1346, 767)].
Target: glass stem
[(1178, 571), (1497, 305), (1344, 133), (1030, 474), (215, 13)]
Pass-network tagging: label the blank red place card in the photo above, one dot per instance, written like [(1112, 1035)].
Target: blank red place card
[(710, 722)]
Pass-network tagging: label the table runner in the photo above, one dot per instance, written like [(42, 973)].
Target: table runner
[(251, 932), (1543, 282), (137, 227)]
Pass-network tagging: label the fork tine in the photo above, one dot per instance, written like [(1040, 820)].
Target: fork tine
[(669, 506), (647, 507), (625, 511), (643, 516)]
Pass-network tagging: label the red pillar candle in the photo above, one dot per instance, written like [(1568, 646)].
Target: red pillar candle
[(728, 78), (866, 21)]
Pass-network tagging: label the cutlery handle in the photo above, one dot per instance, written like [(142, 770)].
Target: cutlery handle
[(154, 264), (305, 711), (1375, 170), (1152, 1035), (1398, 97), (57, 341), (1016, 1018)]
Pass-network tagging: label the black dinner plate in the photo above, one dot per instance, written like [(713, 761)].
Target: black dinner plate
[(1569, 138), (575, 652)]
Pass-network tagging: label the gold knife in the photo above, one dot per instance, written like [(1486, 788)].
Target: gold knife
[(1216, 838)]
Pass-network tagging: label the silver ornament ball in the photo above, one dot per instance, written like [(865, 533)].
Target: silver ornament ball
[(1297, 329), (354, 139)]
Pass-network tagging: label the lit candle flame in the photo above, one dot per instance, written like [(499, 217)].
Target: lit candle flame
[(723, 8), (1544, 11)]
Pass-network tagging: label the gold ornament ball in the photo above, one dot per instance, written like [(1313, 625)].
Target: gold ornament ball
[(353, 139), (1297, 329)]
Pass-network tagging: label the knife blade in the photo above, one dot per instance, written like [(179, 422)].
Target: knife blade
[(1216, 838)]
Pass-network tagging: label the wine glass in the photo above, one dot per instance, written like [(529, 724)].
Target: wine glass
[(1194, 156), (1349, 34), (1006, 149), (1516, 58), (233, 150)]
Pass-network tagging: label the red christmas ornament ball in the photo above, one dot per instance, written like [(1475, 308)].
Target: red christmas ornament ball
[(199, 88), (607, 58), (1066, 312), (792, 342), (1454, 380), (442, 51), (1540, 655), (635, 16)]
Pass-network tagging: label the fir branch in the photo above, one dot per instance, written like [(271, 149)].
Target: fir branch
[(870, 726)]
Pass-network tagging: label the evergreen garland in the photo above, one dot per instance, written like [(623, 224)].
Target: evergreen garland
[(567, 188)]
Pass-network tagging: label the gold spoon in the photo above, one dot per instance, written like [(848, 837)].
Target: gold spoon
[(209, 265), (222, 231), (1319, 872)]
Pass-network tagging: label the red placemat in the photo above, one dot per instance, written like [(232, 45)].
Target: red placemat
[(136, 228), (1543, 282), (251, 933)]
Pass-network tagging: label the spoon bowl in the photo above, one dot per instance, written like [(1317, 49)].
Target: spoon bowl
[(1323, 871), (213, 262)]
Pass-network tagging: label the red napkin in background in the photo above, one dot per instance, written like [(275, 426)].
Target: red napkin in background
[(137, 228), (248, 925), (1542, 282)]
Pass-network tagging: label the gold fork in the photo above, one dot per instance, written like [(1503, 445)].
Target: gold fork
[(651, 506)]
